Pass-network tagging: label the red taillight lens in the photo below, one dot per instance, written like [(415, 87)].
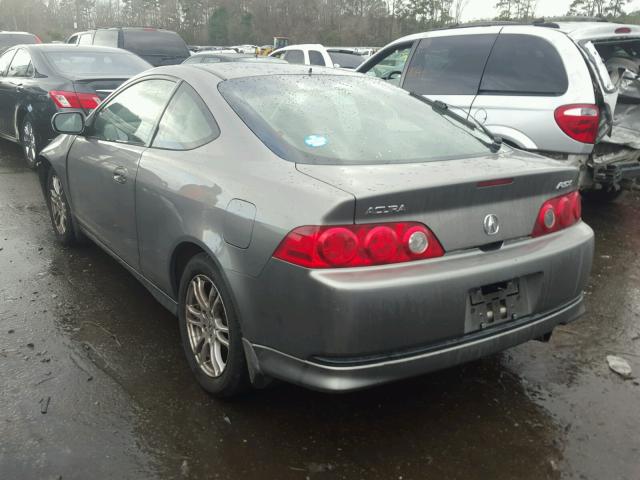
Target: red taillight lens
[(579, 121), (38, 39), (358, 245), (558, 213), (62, 99)]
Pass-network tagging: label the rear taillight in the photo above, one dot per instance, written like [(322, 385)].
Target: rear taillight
[(340, 246), (579, 121), (62, 99), (38, 40), (558, 213)]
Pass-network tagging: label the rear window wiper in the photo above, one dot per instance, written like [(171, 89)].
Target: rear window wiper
[(443, 109)]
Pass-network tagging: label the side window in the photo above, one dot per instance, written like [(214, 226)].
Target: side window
[(294, 56), (391, 65), (450, 65), (85, 39), (279, 55), (131, 115), (316, 58), (73, 39), (106, 38), (21, 65), (5, 60), (187, 122), (524, 65)]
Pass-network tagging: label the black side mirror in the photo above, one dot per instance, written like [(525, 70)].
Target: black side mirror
[(70, 123)]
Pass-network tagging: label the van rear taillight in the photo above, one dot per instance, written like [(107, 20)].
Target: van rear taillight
[(558, 213), (579, 121), (340, 246), (62, 99)]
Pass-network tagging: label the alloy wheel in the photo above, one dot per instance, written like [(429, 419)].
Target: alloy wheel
[(58, 205), (207, 326), (29, 142)]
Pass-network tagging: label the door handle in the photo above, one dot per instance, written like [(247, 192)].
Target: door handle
[(120, 175)]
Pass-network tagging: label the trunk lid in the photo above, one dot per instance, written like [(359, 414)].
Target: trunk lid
[(450, 197), (102, 87)]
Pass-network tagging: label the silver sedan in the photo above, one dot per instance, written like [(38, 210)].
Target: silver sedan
[(319, 226)]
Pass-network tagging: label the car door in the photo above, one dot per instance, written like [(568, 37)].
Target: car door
[(390, 63), (525, 80), (316, 58), (19, 79), (106, 38), (171, 196), (449, 67), (85, 38), (295, 56), (102, 164), (5, 87)]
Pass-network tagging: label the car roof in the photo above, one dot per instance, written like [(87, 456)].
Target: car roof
[(8, 32), (299, 46), (148, 29), (213, 53), (64, 47), (231, 70)]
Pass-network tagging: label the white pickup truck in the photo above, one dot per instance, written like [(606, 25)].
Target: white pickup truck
[(316, 54)]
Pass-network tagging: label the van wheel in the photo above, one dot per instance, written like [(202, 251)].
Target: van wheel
[(30, 141), (211, 334)]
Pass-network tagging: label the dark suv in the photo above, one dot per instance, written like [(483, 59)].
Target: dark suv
[(156, 46)]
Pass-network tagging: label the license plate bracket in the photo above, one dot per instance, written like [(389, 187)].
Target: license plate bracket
[(495, 303)]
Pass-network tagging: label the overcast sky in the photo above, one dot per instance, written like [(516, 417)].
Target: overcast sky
[(482, 9)]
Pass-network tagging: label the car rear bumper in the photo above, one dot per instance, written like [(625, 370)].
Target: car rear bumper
[(315, 327), (354, 374)]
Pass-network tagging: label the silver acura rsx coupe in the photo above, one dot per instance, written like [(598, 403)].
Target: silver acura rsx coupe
[(319, 226)]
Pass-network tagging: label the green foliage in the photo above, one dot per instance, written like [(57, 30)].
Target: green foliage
[(219, 26), (516, 10), (611, 9)]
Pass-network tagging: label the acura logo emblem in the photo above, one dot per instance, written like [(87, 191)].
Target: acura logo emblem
[(491, 224)]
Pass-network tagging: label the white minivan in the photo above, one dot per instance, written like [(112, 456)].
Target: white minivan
[(542, 87)]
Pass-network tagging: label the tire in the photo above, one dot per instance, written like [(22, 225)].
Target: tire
[(30, 141), (208, 320), (603, 195), (59, 212)]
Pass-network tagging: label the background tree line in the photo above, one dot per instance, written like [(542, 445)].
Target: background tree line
[(231, 22)]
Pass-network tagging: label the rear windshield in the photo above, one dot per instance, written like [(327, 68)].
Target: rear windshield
[(346, 60), (335, 119), (155, 42), (11, 39), (96, 63)]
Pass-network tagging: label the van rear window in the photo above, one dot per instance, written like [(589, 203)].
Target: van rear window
[(524, 65)]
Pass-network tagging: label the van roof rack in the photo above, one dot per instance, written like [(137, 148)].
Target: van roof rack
[(569, 18)]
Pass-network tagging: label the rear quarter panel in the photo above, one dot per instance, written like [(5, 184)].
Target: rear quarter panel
[(184, 196)]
